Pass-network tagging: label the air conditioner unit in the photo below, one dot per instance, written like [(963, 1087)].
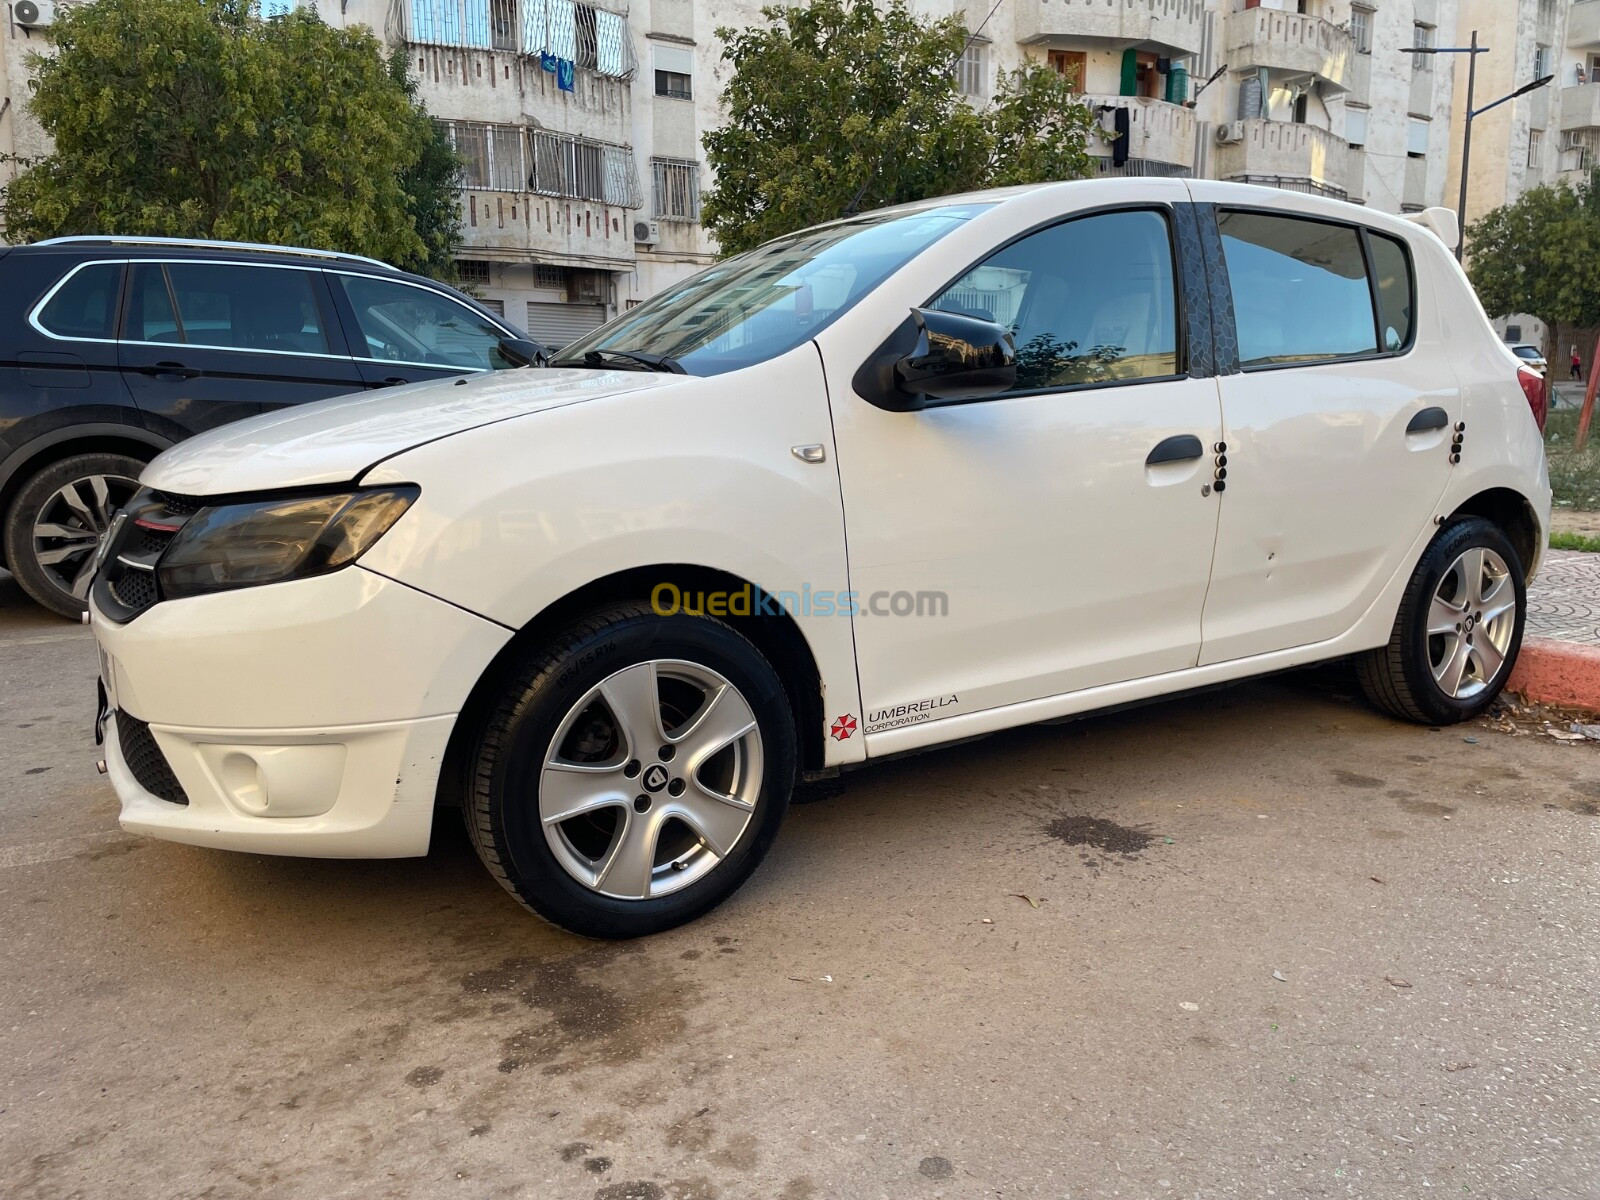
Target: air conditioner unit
[(646, 233), (33, 14), (1229, 132)]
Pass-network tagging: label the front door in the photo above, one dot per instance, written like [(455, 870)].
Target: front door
[(206, 343), (1338, 435), (1054, 538)]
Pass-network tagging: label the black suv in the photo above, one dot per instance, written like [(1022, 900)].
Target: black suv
[(112, 349)]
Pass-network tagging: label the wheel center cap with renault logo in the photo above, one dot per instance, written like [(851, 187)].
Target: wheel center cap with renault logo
[(655, 778)]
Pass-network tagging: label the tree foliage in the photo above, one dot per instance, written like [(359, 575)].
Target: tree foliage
[(198, 118), (838, 96), (1540, 255)]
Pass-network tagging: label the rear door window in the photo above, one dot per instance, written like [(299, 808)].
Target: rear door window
[(1300, 290), (230, 306)]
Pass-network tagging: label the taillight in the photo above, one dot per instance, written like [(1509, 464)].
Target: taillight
[(1533, 388)]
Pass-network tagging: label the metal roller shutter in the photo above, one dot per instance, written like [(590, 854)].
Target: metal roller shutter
[(557, 324)]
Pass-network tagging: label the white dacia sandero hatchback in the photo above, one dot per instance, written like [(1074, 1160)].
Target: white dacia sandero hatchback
[(897, 480)]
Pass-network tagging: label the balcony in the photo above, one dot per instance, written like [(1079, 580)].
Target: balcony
[(1283, 154), (1173, 26), (1583, 25), (1580, 107), (1158, 132), (1290, 42)]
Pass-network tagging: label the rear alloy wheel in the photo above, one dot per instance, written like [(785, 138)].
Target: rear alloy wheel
[(1459, 628), (634, 774), (58, 521)]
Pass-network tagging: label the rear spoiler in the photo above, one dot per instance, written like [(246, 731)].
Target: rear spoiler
[(1441, 222)]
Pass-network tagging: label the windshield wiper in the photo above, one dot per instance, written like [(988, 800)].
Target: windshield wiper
[(646, 360)]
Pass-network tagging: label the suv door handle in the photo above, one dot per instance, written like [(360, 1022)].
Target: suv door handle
[(392, 381), (1428, 419), (168, 370), (1178, 448)]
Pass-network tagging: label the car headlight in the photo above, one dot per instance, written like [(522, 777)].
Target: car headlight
[(272, 540)]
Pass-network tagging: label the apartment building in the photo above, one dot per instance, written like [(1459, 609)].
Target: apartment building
[(580, 120)]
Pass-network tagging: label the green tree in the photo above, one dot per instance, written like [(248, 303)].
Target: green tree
[(845, 106), (197, 118), (431, 185), (1540, 255)]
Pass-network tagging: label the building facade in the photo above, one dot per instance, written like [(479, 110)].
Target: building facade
[(580, 122), (1551, 134)]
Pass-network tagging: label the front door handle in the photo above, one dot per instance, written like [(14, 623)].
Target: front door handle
[(393, 381), (1179, 448), (1427, 420), (168, 370)]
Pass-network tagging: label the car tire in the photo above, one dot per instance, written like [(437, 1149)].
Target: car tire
[(1455, 638), (592, 826), (78, 497)]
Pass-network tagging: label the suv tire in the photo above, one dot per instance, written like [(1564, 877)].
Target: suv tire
[(669, 740), (77, 497), (1458, 631)]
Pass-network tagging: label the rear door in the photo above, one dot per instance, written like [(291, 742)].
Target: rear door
[(1338, 417), (401, 331), (205, 343)]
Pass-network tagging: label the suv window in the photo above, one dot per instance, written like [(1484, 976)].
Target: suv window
[(1300, 291), (243, 307), (1089, 301), (86, 305), (401, 323)]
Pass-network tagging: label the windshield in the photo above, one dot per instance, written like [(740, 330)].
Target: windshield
[(759, 304)]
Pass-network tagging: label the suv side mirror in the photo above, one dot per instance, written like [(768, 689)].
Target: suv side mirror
[(939, 358), (522, 352)]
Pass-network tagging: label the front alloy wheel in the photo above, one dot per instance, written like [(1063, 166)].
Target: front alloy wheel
[(58, 521), (633, 773)]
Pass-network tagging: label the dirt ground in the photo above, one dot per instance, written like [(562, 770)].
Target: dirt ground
[(1568, 520), (1257, 943)]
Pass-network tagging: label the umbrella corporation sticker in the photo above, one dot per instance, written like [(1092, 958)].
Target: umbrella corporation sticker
[(895, 716)]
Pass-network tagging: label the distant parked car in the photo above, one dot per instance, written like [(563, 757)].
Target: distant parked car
[(1530, 355), (113, 349)]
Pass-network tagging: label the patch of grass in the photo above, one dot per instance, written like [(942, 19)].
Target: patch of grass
[(1574, 478), (1574, 541)]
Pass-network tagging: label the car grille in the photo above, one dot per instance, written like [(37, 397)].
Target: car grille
[(128, 583), (145, 760)]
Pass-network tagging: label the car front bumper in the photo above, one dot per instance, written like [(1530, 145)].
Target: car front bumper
[(307, 718)]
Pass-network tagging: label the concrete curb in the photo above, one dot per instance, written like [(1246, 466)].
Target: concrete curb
[(1550, 671)]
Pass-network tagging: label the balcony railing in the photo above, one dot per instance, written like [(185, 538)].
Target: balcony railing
[(588, 37), (1285, 154), (1293, 42), (1157, 130), (1174, 25)]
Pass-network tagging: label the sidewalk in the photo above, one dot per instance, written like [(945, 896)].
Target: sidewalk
[(1560, 660)]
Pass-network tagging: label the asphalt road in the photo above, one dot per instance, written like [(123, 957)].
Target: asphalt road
[(1260, 943)]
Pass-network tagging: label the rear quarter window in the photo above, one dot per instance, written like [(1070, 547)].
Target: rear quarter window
[(85, 306)]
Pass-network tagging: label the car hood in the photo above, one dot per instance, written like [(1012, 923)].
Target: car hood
[(335, 441)]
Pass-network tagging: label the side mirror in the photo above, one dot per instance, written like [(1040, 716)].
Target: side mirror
[(939, 358), (522, 352)]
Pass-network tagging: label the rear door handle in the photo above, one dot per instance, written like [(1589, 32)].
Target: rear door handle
[(393, 381), (1428, 419), (1178, 448), (168, 370)]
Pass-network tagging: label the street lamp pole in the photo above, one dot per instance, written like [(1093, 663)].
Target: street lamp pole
[(1472, 50), (1466, 145)]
